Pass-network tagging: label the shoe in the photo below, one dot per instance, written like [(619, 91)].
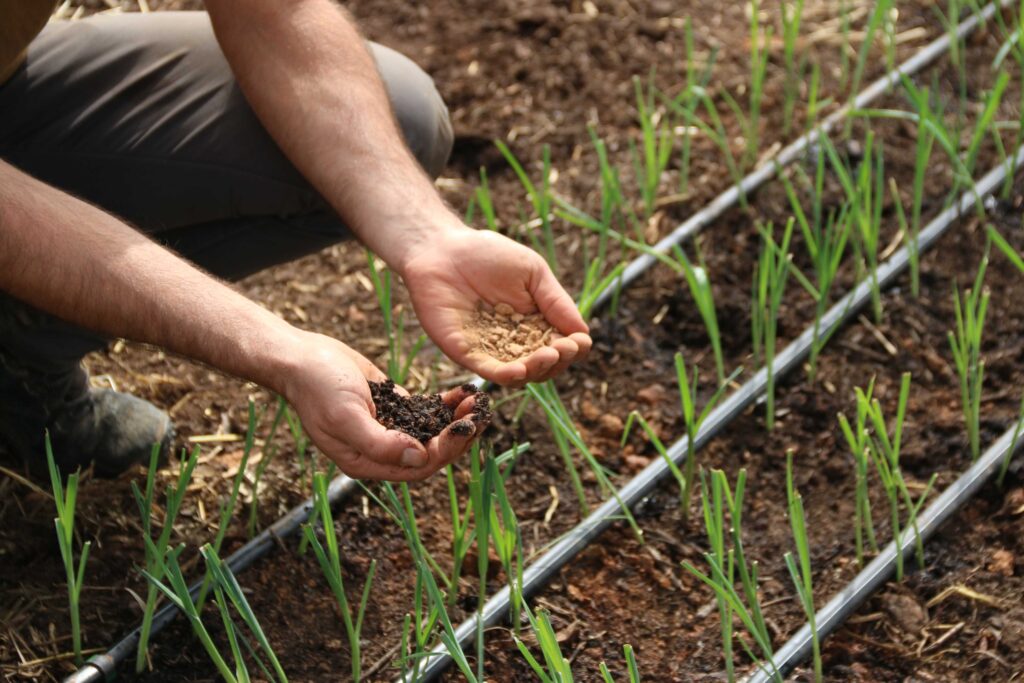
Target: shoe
[(87, 426)]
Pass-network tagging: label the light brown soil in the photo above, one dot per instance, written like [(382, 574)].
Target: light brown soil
[(506, 334)]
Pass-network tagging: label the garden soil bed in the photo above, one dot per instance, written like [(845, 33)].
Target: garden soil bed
[(543, 71)]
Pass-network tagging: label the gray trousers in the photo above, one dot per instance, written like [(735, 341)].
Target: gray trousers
[(141, 115)]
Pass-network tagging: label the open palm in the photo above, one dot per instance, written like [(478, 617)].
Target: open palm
[(449, 278)]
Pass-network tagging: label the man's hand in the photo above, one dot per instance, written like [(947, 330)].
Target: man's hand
[(327, 385), (459, 268)]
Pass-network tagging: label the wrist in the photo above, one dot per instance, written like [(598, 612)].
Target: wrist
[(420, 235), (275, 355)]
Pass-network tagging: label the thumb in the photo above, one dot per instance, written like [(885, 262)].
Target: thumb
[(384, 446)]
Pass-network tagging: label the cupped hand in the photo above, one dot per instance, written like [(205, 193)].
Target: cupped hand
[(327, 386), (448, 279)]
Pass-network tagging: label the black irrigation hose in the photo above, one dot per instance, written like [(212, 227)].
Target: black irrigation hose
[(793, 151), (565, 549), (871, 578), (103, 667)]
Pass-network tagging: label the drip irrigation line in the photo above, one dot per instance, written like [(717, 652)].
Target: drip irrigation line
[(103, 667), (576, 539), (756, 178), (872, 577)]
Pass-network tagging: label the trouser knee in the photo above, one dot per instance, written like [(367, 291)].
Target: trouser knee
[(419, 108)]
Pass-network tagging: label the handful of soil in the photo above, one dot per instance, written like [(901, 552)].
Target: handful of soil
[(424, 416), (507, 335)]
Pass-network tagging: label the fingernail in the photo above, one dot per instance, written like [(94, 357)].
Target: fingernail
[(463, 428), (412, 457)]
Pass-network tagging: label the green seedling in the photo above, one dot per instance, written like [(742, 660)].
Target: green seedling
[(594, 287), (715, 130), (792, 13), (270, 451), (481, 493), (157, 550), (687, 102), (657, 142), (770, 275), (555, 417), (301, 442), (398, 369), (965, 343), (507, 539), (694, 421), (983, 127), (800, 566), (227, 508), (688, 397), (65, 499), (865, 195), (724, 564), (877, 19), (858, 440), (329, 558), (1007, 249), (825, 245), (631, 663), (632, 669), (565, 434), (556, 668), (700, 289), (429, 599), (614, 209), (929, 115), (462, 519), (1009, 453), (844, 45), (957, 52), (1012, 46), (884, 446), (227, 594), (715, 501), (482, 195), (750, 121), (540, 198), (814, 104), (227, 586), (177, 592), (922, 157)]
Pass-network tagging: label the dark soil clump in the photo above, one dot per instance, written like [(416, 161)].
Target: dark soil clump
[(423, 416)]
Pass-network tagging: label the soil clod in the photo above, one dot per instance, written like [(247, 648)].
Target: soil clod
[(424, 416), (507, 335)]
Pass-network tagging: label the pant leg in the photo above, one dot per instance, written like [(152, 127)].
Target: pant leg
[(141, 115)]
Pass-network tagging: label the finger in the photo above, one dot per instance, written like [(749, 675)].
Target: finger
[(383, 446), (453, 442), (453, 398), (568, 351), (467, 406), (506, 374), (362, 468), (555, 303), (542, 360), (583, 343)]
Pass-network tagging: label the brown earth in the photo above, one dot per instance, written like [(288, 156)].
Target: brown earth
[(536, 73), (505, 334)]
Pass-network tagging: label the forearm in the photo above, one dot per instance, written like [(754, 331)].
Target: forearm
[(309, 77), (80, 264)]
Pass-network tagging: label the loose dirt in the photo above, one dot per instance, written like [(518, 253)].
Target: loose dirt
[(506, 334), (539, 73), (424, 416)]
